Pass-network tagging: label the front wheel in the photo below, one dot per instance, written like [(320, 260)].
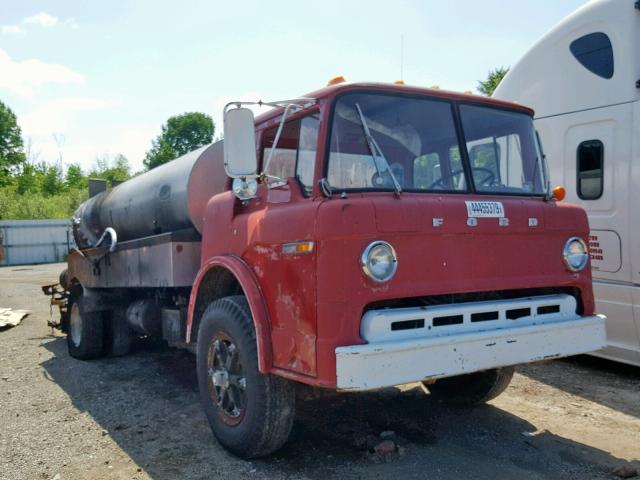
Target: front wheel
[(471, 389), (251, 414)]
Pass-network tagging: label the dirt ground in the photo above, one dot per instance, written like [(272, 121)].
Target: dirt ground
[(138, 417)]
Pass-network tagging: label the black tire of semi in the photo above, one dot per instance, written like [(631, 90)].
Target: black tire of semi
[(118, 335), (90, 340), (471, 389), (270, 400)]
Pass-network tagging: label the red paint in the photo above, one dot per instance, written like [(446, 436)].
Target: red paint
[(306, 305)]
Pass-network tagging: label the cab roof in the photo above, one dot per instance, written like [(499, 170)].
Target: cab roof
[(333, 90)]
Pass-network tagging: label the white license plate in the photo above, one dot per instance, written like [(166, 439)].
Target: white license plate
[(485, 209)]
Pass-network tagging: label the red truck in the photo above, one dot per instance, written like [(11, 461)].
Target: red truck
[(363, 236)]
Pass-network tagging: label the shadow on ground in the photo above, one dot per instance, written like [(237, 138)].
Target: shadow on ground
[(148, 403), (612, 384)]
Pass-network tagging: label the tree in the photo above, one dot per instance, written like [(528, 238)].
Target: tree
[(11, 145), (181, 134), (488, 86), (74, 177), (116, 169)]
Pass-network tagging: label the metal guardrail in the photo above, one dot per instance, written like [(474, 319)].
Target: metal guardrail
[(28, 242)]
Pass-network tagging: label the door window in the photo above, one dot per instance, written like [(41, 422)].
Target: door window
[(590, 169), (295, 153)]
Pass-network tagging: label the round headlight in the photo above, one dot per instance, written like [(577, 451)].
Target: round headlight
[(575, 254), (379, 261)]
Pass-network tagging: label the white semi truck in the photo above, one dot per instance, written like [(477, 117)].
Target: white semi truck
[(582, 79)]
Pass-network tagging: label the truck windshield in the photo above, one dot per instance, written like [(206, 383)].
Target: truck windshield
[(419, 140)]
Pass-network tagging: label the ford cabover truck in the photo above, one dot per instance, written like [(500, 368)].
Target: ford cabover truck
[(360, 237)]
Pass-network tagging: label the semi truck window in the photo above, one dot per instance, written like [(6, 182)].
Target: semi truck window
[(594, 52), (307, 147), (426, 170), (590, 169)]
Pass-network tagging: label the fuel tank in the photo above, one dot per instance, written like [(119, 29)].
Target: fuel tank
[(170, 197)]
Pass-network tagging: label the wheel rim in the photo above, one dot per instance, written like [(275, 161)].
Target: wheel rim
[(75, 324), (226, 380)]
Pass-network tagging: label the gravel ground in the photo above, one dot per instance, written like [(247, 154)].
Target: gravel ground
[(138, 417)]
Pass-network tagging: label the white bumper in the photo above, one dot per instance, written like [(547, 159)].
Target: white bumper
[(387, 361)]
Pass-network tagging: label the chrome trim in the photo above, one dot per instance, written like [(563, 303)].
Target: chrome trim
[(364, 261)]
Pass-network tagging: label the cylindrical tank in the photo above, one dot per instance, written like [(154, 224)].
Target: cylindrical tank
[(170, 197)]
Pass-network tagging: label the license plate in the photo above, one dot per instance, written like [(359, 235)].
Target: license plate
[(485, 209)]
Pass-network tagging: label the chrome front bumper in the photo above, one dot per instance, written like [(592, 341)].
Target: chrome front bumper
[(421, 343)]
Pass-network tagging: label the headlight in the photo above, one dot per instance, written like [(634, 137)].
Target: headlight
[(379, 261), (575, 254)]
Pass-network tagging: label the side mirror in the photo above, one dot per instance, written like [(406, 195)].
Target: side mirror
[(239, 143)]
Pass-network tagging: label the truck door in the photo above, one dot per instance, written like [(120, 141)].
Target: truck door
[(597, 175), (282, 248)]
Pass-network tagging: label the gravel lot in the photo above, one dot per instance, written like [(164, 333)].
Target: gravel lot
[(138, 417)]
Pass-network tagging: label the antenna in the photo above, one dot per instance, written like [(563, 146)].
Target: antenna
[(401, 56)]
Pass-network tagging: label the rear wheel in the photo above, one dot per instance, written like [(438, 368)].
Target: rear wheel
[(472, 389), (251, 414), (85, 336)]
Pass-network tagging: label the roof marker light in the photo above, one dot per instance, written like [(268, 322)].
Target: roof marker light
[(336, 80), (399, 82)]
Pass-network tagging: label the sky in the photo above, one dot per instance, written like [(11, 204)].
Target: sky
[(89, 79)]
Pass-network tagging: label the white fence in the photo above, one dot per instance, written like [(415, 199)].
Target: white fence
[(27, 242)]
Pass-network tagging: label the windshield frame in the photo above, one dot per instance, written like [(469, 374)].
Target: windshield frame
[(470, 187)]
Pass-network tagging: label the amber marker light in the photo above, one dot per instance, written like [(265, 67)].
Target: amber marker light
[(559, 193), (336, 80), (399, 82), (297, 248)]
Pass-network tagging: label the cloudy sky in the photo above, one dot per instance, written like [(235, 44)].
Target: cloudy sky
[(100, 78)]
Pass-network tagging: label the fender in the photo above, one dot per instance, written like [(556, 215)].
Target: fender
[(249, 284)]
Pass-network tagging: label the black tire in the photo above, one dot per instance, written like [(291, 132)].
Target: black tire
[(262, 421), (85, 336), (472, 389), (118, 336)]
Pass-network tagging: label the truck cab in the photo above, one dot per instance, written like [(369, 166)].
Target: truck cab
[(369, 235)]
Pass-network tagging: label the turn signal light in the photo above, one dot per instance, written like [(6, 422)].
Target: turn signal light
[(559, 193), (336, 80), (297, 247)]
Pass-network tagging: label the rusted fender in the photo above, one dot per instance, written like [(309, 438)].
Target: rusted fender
[(247, 280)]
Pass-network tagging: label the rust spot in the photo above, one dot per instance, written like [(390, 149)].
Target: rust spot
[(179, 248)]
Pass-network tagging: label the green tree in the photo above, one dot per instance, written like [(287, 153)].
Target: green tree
[(180, 135), (74, 178), (11, 145), (116, 169), (52, 180), (488, 86)]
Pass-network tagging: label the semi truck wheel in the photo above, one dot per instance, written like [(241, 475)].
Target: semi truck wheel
[(251, 414), (472, 389), (85, 337), (118, 336)]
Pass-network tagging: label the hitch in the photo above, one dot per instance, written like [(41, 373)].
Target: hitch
[(60, 298)]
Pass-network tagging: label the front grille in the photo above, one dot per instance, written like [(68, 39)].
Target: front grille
[(454, 298)]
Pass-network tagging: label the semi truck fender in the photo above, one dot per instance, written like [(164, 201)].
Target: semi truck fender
[(222, 276)]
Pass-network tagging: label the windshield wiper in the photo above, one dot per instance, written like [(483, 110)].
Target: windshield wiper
[(379, 160)]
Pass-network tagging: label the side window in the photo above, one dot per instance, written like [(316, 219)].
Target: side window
[(283, 160), (426, 170), (590, 169), (308, 145), (594, 52)]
